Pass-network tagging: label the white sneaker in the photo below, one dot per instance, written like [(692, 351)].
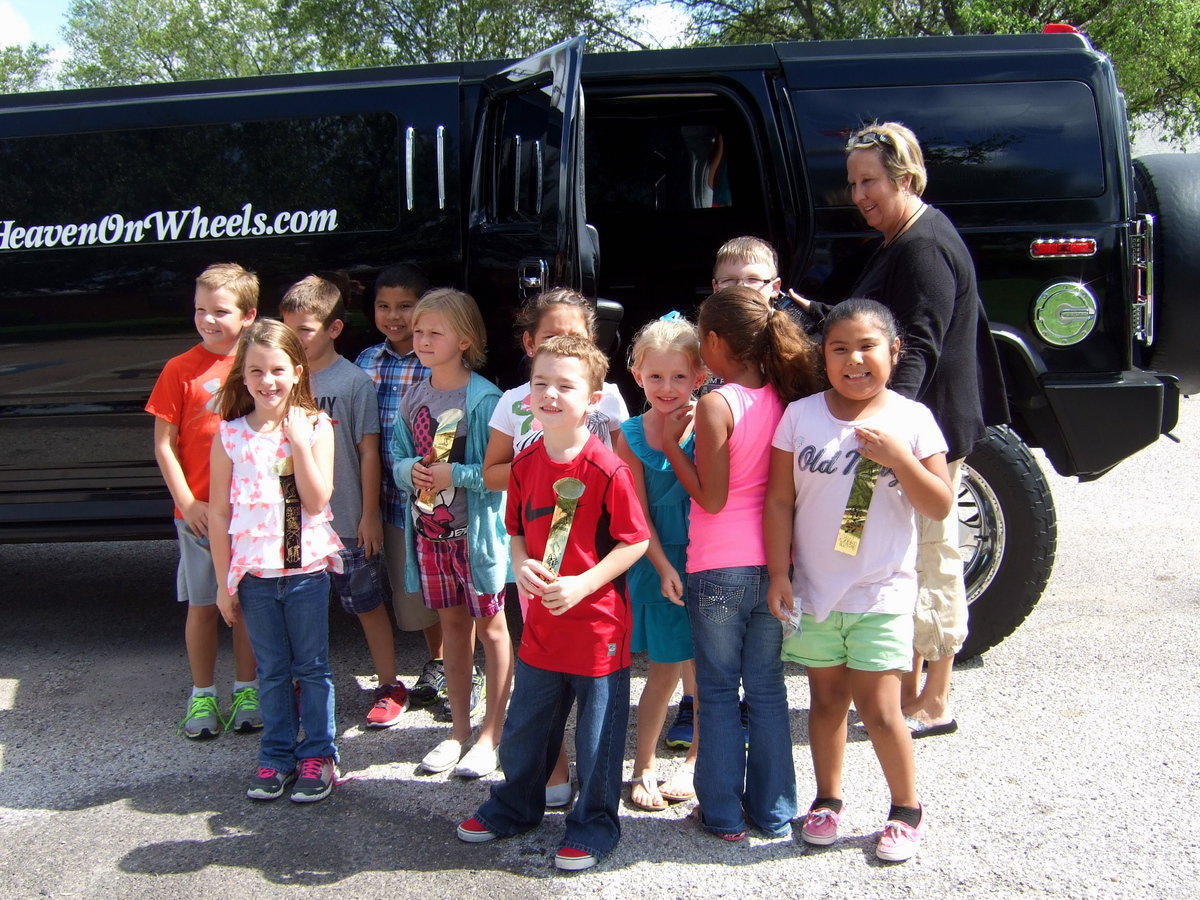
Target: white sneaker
[(443, 756), (559, 795), (477, 762)]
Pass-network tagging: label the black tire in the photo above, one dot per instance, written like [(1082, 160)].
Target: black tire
[(1168, 185), (1008, 535)]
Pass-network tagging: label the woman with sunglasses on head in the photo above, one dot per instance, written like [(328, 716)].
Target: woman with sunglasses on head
[(923, 272)]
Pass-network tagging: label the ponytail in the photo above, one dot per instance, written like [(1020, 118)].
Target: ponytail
[(755, 330)]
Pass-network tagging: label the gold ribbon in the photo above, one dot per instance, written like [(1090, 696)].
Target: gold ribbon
[(854, 519), (567, 492), (443, 442)]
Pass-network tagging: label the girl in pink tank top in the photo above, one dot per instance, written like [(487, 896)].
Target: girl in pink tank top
[(765, 362)]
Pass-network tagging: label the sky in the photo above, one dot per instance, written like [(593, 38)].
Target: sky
[(23, 21), (40, 21)]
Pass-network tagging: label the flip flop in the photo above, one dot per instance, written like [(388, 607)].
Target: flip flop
[(649, 784), (681, 785), (920, 729)]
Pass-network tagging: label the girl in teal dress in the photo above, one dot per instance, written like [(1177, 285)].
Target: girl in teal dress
[(665, 362)]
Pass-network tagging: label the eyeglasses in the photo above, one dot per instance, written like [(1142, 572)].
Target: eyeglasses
[(870, 139), (749, 281)]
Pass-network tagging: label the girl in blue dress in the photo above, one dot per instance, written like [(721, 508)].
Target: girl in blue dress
[(665, 362)]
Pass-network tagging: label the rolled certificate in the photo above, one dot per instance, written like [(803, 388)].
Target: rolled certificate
[(567, 493), (443, 441), (854, 519)]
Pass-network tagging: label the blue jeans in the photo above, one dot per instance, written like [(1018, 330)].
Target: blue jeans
[(737, 644), (288, 621), (533, 733)]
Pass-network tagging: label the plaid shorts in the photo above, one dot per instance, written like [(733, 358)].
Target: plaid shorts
[(446, 579), (358, 585)]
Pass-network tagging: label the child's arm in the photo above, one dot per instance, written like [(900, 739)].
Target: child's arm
[(403, 453), (370, 527), (672, 584), (778, 512), (195, 512), (497, 462), (313, 465), (219, 514), (568, 591), (706, 480), (926, 482)]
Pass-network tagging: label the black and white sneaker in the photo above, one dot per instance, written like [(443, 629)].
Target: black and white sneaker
[(269, 784), (317, 776)]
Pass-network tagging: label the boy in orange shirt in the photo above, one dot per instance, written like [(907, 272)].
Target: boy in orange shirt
[(226, 302)]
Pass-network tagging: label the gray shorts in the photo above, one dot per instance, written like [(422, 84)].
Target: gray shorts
[(411, 612), (195, 579)]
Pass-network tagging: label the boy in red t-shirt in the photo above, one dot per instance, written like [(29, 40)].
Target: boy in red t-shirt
[(575, 644), (182, 402)]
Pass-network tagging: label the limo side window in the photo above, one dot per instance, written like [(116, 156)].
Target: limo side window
[(291, 176), (982, 142)]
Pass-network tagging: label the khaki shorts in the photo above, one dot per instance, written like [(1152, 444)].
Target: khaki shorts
[(940, 624), (411, 612)]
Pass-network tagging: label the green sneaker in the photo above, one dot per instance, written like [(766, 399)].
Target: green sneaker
[(244, 715), (203, 720)]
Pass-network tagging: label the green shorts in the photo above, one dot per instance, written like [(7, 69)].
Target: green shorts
[(869, 642)]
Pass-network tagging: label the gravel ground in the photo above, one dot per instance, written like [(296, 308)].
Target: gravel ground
[(1072, 775)]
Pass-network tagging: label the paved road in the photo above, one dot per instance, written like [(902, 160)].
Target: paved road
[(1076, 772)]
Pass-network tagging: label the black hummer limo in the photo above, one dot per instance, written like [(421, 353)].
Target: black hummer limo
[(619, 174)]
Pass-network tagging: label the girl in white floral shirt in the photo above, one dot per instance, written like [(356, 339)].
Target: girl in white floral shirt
[(272, 542)]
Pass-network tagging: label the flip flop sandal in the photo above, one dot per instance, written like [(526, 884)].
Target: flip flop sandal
[(649, 784), (681, 785)]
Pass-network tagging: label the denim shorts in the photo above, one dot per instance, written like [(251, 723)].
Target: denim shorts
[(195, 578), (358, 586)]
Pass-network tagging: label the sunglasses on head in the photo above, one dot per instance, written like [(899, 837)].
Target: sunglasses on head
[(870, 139)]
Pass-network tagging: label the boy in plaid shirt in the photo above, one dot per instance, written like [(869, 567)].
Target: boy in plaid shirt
[(394, 368)]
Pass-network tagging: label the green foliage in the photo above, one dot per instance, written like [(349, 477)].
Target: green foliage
[(1154, 44), (373, 32), (138, 41), (25, 68)]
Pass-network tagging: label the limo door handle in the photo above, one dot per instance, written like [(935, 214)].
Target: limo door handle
[(531, 275)]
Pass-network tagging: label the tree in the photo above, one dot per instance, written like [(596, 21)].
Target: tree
[(25, 68), (138, 41), (373, 32), (1154, 44)]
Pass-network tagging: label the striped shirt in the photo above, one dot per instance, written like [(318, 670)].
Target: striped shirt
[(393, 375)]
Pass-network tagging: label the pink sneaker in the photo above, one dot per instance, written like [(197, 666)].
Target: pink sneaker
[(821, 826), (900, 841)]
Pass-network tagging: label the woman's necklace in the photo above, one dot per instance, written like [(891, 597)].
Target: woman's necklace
[(904, 226)]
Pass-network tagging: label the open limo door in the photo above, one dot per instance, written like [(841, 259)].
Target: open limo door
[(526, 219)]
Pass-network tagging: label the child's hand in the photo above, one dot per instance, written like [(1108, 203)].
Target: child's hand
[(779, 598), (565, 592), (533, 578), (882, 447), (297, 426), (229, 605), (370, 535), (195, 517), (802, 302), (441, 475), (676, 423), (671, 584), (422, 479)]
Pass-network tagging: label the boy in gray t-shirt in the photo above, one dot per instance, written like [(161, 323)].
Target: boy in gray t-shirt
[(315, 310)]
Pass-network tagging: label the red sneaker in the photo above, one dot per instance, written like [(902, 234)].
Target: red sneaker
[(390, 703), (571, 860), (473, 832)]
